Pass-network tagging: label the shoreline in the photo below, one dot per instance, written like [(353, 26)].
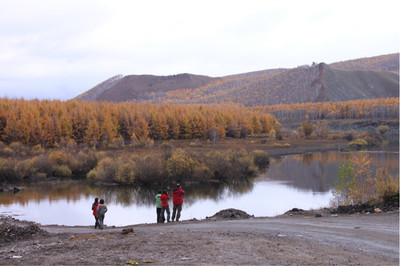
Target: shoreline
[(362, 239)]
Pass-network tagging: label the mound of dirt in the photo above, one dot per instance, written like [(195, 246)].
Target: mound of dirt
[(390, 203), (11, 232), (230, 214)]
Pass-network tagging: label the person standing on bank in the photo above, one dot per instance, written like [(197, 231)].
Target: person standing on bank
[(165, 207), (94, 209), (177, 200), (158, 206), (101, 211)]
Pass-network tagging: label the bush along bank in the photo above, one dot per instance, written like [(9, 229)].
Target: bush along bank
[(180, 166), (147, 166)]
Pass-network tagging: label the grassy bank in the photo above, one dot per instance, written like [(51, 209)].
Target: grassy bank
[(162, 162)]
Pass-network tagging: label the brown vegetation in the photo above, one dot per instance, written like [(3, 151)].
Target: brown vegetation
[(134, 143), (388, 62), (55, 123), (366, 78), (381, 108)]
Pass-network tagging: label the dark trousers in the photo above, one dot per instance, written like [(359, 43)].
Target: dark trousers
[(101, 221), (176, 210), (158, 211), (96, 224), (163, 211)]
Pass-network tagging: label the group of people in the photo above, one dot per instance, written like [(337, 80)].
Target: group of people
[(99, 208), (99, 211), (162, 205)]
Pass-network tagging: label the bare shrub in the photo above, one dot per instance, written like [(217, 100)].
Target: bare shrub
[(125, 173), (62, 171), (18, 148), (382, 129), (83, 162), (180, 166), (307, 128), (349, 135), (230, 165), (58, 157), (37, 149), (43, 164), (373, 139), (358, 143), (219, 164), (149, 169), (7, 151), (201, 172), (260, 158), (242, 164), (385, 183), (294, 134), (7, 171), (106, 170), (25, 168)]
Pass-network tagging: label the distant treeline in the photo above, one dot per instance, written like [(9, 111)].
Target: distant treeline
[(51, 123), (356, 109)]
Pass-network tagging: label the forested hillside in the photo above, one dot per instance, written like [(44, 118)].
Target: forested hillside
[(383, 108), (367, 78)]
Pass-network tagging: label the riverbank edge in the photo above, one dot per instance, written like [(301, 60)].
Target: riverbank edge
[(279, 149)]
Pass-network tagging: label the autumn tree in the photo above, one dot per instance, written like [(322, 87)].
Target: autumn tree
[(355, 185), (140, 130), (307, 128), (93, 133), (323, 128), (108, 129), (173, 127)]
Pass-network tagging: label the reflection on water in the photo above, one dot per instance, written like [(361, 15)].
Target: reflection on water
[(318, 171), (122, 195), (302, 181)]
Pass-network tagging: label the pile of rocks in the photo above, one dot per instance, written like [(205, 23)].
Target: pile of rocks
[(11, 232), (230, 214)]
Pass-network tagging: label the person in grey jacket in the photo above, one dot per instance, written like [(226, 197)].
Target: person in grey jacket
[(101, 211)]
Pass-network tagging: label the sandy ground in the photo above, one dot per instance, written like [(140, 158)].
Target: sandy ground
[(356, 239)]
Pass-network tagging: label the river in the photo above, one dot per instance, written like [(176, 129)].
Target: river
[(294, 181)]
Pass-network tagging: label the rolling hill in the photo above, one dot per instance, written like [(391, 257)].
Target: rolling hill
[(365, 78)]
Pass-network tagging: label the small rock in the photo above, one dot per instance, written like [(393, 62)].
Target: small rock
[(377, 210), (127, 230)]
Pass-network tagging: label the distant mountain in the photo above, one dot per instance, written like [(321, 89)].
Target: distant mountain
[(139, 88), (365, 78)]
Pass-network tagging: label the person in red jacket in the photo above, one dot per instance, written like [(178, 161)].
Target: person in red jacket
[(177, 200), (94, 208), (164, 206)]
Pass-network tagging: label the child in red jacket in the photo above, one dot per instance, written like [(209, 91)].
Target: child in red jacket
[(164, 205), (94, 209)]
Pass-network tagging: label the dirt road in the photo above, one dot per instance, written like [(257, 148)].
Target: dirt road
[(366, 239)]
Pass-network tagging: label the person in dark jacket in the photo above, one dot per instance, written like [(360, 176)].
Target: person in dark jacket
[(94, 209), (101, 211), (165, 206), (177, 200)]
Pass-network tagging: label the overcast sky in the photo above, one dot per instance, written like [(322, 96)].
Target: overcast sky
[(57, 49)]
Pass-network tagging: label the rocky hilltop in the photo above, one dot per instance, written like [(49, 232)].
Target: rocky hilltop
[(365, 78)]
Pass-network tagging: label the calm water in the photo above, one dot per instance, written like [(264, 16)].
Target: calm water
[(301, 181)]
